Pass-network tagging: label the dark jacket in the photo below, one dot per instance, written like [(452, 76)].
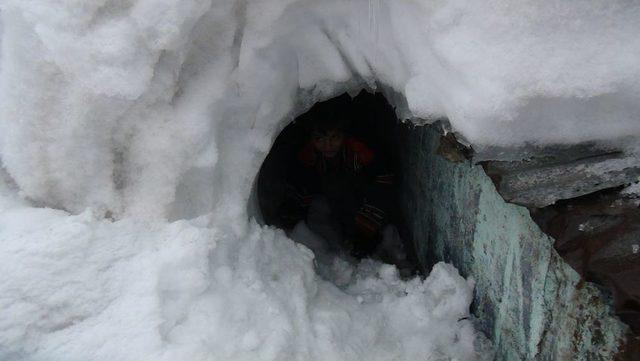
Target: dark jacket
[(357, 184)]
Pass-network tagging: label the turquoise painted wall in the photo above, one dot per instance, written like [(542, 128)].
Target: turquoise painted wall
[(527, 300)]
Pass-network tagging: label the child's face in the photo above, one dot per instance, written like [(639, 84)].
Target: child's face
[(328, 143)]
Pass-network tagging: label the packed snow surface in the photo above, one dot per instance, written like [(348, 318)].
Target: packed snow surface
[(124, 114)]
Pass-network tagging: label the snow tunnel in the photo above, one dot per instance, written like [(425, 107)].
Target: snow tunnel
[(448, 207)]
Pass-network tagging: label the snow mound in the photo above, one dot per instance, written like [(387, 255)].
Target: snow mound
[(84, 288)]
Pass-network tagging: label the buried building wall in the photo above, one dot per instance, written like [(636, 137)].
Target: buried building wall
[(527, 299)]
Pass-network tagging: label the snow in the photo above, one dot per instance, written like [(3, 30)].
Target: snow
[(85, 288), (111, 103), (149, 111)]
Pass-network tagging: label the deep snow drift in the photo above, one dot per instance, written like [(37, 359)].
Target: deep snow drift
[(144, 110)]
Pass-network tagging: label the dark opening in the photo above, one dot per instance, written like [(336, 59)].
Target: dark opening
[(369, 121)]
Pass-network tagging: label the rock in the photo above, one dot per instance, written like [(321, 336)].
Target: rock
[(450, 149), (599, 236)]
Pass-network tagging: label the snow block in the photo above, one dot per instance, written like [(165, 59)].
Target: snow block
[(527, 299)]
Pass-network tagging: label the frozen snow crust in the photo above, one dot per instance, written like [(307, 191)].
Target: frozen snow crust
[(150, 110)]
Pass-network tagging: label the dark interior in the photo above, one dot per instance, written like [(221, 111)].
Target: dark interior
[(371, 119)]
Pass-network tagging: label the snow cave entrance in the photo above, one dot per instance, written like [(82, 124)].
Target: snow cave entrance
[(367, 119)]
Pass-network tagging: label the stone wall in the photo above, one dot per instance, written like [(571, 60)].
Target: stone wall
[(528, 301)]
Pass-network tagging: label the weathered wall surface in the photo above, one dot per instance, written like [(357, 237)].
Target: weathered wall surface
[(528, 300)]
